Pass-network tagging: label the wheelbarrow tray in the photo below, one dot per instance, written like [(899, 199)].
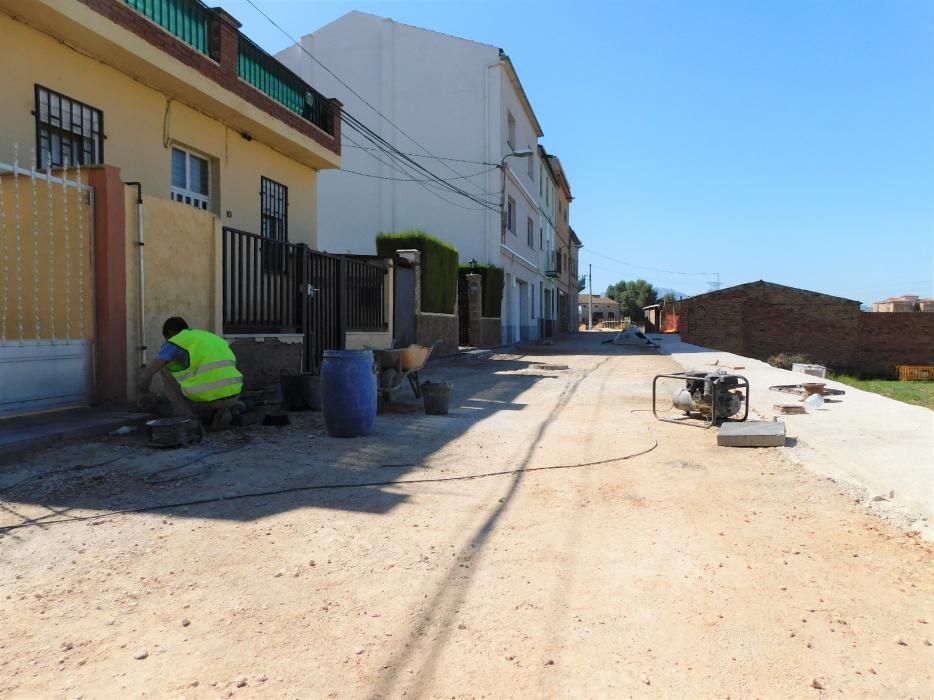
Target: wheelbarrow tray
[(407, 362)]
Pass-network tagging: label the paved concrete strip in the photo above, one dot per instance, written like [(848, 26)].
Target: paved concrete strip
[(43, 429), (870, 440)]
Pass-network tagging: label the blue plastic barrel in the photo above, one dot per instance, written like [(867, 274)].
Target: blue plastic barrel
[(348, 392)]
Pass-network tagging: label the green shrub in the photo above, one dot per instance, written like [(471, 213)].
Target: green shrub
[(438, 266), (494, 279)]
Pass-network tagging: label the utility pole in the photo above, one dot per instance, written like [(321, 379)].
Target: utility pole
[(590, 300)]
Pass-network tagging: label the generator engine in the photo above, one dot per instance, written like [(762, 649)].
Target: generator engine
[(714, 395)]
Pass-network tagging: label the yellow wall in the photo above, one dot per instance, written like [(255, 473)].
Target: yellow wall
[(182, 263), (45, 261), (141, 125)]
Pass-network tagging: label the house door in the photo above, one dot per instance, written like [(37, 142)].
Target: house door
[(525, 311), (46, 291), (325, 312), (403, 309)]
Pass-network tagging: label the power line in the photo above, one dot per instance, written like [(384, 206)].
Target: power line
[(419, 155), (427, 187), (650, 269), (398, 156), (392, 152), (354, 92), (410, 179)]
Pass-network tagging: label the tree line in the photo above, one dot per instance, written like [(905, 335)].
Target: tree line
[(633, 295)]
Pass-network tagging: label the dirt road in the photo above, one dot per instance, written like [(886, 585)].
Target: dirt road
[(670, 568)]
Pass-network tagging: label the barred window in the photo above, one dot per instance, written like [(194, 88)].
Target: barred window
[(67, 130), (274, 207)]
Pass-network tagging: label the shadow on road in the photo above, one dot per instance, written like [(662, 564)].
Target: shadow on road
[(453, 589), (257, 472)]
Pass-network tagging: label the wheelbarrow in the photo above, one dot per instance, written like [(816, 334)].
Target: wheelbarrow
[(397, 366)]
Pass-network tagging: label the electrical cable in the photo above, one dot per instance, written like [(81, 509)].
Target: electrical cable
[(326, 487), (650, 269), (397, 155), (409, 179), (297, 43), (401, 169), (150, 480), (419, 155), (63, 470)]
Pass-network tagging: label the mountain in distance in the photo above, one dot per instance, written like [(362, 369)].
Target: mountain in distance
[(662, 291)]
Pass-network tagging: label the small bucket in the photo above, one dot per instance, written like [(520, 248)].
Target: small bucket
[(436, 396)]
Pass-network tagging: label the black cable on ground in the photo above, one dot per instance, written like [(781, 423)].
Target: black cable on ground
[(323, 487)]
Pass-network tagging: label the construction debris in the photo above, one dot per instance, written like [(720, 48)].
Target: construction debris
[(752, 433)]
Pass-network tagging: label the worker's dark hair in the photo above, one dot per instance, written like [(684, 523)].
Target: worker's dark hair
[(173, 326)]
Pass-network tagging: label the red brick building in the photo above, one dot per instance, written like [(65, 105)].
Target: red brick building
[(761, 319)]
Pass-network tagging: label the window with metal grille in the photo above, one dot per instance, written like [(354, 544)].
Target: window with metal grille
[(67, 130), (191, 179), (274, 224), (274, 210)]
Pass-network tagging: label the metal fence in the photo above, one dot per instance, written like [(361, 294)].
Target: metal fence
[(46, 287), (270, 77), (189, 20), (196, 24), (366, 288), (277, 287)]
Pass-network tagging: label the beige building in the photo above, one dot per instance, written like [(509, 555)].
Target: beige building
[(903, 304), (135, 139), (567, 245), (602, 308)]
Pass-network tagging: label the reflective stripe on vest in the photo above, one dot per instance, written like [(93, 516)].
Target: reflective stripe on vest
[(212, 372), (188, 374)]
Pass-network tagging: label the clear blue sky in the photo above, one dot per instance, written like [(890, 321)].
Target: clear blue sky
[(782, 140)]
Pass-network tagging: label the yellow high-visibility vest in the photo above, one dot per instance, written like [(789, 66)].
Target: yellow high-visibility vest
[(212, 367)]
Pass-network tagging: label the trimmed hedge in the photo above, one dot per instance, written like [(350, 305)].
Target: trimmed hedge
[(494, 280), (438, 265)]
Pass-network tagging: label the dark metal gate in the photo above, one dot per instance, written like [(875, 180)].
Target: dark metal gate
[(277, 287), (324, 306)]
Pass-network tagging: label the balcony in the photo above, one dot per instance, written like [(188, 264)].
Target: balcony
[(266, 74), (203, 29), (581, 284), (553, 264), (188, 20)]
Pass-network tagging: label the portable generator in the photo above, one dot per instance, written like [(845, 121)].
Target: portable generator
[(708, 397)]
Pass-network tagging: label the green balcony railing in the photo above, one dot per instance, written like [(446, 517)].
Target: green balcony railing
[(270, 77), (189, 20)]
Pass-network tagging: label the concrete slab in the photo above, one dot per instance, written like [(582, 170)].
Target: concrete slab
[(752, 433), (42, 429), (861, 438)]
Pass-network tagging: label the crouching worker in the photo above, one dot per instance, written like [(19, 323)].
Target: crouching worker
[(199, 373)]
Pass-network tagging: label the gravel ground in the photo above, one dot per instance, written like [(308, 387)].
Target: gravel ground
[(548, 538)]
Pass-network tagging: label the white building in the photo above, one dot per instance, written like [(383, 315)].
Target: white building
[(453, 98), (547, 204)]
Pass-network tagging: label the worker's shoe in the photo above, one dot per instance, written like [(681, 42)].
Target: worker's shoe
[(222, 420)]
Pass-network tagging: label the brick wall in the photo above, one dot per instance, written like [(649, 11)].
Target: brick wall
[(760, 320), (889, 339)]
